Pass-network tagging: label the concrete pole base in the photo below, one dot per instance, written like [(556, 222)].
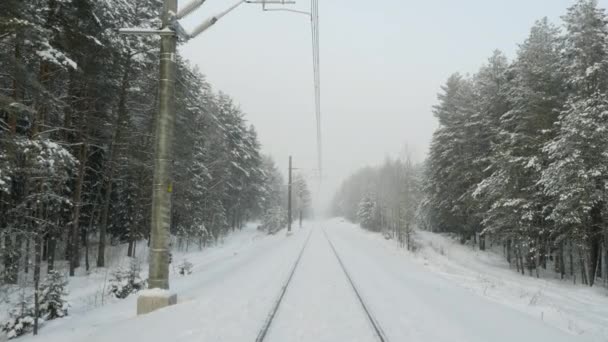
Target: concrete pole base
[(154, 299)]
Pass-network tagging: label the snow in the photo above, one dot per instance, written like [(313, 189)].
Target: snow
[(443, 292), (229, 287), (470, 295), (576, 309), (320, 305), (156, 293), (56, 57)]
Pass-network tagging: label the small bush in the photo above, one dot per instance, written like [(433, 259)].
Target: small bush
[(185, 267), (52, 304), (274, 220), (52, 297), (126, 281), (21, 319)]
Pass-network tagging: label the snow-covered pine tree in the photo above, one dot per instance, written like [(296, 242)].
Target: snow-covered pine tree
[(124, 168), (367, 213), (76, 131), (447, 179), (348, 197), (409, 191), (21, 317), (253, 182), (516, 204), (301, 197), (274, 220), (272, 194), (384, 198), (578, 173), (125, 281), (52, 292), (482, 136)]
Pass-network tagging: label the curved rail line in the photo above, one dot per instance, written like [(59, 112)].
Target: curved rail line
[(275, 308), (375, 324)]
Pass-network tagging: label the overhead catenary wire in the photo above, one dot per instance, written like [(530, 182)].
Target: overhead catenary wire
[(314, 19), (314, 16)]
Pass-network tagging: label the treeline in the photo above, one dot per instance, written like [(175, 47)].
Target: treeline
[(382, 199), (520, 156), (77, 108), (275, 217)]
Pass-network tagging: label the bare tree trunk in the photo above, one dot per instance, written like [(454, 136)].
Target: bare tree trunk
[(18, 252), (531, 261), (113, 154), (522, 266), (9, 264), (544, 255), (562, 264), (101, 251), (130, 248), (85, 241), (571, 255), (51, 252), (45, 247), (593, 255), (583, 268), (37, 248), (516, 259), (606, 259), (26, 257), (75, 250), (408, 236), (599, 267), (18, 81)]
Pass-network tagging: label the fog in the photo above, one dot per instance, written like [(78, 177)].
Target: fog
[(382, 64)]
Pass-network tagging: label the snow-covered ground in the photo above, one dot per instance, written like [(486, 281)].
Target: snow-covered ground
[(444, 292), (319, 304), (230, 287), (577, 309), (450, 292)]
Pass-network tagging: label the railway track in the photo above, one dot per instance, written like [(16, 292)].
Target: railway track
[(370, 316), (273, 313)]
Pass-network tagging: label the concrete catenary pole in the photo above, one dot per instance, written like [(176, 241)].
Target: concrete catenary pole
[(163, 156), (289, 198), (158, 277)]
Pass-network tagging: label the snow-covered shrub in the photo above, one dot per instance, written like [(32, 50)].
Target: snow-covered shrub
[(274, 220), (51, 305), (52, 297), (127, 281), (415, 244), (185, 267), (21, 319), (367, 213)]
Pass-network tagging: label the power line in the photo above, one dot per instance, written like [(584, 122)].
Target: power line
[(314, 18), (314, 15)]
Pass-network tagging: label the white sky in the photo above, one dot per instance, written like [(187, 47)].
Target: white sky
[(382, 63)]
